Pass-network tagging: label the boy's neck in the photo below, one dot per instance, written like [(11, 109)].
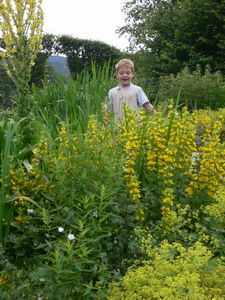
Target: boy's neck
[(124, 86)]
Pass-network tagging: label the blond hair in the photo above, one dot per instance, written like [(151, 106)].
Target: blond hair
[(125, 63)]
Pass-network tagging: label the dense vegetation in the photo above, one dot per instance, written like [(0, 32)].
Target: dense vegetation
[(93, 209), (87, 199)]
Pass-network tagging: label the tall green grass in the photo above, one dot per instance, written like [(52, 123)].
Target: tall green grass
[(13, 151), (8, 149), (73, 102)]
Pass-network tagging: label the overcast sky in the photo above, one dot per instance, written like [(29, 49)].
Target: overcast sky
[(86, 19)]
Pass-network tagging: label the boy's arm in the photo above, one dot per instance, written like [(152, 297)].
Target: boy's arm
[(143, 101), (149, 107)]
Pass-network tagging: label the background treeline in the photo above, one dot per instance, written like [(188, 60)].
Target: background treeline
[(171, 35)]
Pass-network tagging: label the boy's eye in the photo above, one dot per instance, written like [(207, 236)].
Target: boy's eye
[(124, 73)]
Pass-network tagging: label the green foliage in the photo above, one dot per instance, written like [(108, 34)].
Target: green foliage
[(72, 221), (7, 88), (75, 100), (170, 271), (78, 194), (82, 53), (10, 148), (171, 35), (198, 90)]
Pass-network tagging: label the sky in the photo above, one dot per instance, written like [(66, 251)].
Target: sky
[(86, 19)]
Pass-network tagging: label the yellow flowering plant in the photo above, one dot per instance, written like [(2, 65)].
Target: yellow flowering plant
[(171, 271), (21, 23), (94, 188)]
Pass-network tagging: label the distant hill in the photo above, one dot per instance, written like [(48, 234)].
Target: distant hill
[(59, 63)]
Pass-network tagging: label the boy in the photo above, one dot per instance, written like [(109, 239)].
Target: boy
[(127, 92)]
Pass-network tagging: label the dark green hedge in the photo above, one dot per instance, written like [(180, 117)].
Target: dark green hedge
[(82, 53)]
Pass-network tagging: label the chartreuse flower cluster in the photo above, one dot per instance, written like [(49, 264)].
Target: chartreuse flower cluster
[(216, 209), (187, 225), (173, 272)]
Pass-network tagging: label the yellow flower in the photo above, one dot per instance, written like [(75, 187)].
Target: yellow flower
[(141, 211)]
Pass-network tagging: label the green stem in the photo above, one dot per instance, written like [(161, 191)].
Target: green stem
[(171, 118)]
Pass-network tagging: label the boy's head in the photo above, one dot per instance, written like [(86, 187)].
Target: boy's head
[(125, 63), (124, 72)]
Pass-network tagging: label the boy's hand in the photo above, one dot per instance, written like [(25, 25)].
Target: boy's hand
[(149, 107)]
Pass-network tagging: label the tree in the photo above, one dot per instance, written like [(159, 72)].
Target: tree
[(173, 34), (21, 24), (82, 53)]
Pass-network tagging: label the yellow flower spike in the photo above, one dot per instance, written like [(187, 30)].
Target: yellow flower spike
[(19, 218), (136, 197), (189, 191), (141, 211)]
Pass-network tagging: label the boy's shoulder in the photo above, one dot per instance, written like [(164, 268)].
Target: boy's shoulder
[(134, 86), (114, 89)]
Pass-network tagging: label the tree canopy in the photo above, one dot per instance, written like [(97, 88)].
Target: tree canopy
[(174, 34)]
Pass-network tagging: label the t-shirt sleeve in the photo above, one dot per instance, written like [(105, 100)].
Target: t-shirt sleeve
[(142, 98)]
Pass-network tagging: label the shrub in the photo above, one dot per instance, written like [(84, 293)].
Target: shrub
[(198, 91), (82, 53), (172, 272)]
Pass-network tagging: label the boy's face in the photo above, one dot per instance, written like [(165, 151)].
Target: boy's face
[(124, 76)]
